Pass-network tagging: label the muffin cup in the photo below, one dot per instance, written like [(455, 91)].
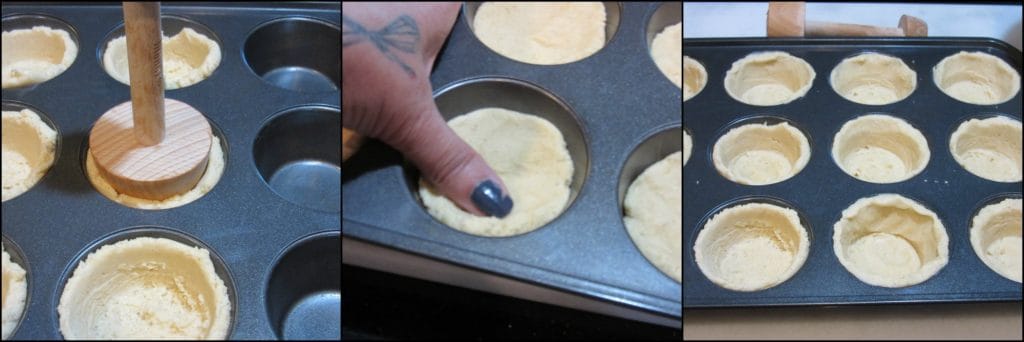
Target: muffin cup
[(769, 78), (694, 78), (873, 79), (31, 145), (880, 149), (976, 78), (996, 237), (989, 148), (36, 48), (762, 153)]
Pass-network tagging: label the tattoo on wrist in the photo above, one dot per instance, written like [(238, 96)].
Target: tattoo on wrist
[(402, 34)]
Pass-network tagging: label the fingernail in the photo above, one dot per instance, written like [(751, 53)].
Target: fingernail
[(488, 198)]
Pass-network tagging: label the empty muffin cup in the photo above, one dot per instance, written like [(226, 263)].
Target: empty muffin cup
[(769, 78), (989, 148), (310, 64), (297, 154), (29, 148), (694, 78), (881, 149), (303, 291), (996, 237), (15, 288), (547, 33), (873, 79), (976, 78), (36, 48), (890, 241), (147, 283), (191, 52), (761, 153), (687, 146), (752, 246)]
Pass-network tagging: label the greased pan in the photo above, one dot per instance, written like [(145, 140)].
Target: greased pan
[(606, 105), (822, 190), (263, 236)]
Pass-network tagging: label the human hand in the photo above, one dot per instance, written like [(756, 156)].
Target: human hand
[(388, 53)]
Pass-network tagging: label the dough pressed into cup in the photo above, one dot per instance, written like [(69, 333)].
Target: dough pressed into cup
[(769, 78), (667, 50), (35, 55), (15, 287), (976, 78), (145, 288), (890, 241), (189, 57), (29, 148), (694, 78), (881, 149), (996, 237), (654, 217), (687, 146), (761, 154), (528, 153), (873, 79), (989, 148), (752, 247), (541, 33)]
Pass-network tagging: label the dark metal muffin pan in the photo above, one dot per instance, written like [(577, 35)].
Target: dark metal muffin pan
[(246, 219), (822, 190), (605, 105)]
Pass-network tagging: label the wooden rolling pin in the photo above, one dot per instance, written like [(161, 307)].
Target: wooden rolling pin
[(787, 19), (149, 147)]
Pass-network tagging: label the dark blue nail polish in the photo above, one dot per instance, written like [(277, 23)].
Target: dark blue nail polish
[(488, 198)]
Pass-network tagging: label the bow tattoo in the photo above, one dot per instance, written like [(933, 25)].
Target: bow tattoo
[(402, 34)]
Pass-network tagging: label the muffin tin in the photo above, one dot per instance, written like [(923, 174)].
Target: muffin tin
[(274, 238), (618, 114), (822, 190)]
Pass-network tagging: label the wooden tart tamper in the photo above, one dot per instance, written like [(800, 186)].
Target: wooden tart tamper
[(787, 19), (150, 147)]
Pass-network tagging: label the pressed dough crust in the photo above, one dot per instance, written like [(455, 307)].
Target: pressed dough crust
[(769, 78), (694, 78), (873, 79), (687, 146), (752, 247), (145, 288), (760, 154), (996, 237), (29, 146), (890, 241), (214, 169), (530, 156), (667, 51), (541, 33), (976, 78), (189, 57), (880, 149), (989, 148), (654, 217), (35, 55), (15, 293)]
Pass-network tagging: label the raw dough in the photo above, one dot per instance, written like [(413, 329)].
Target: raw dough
[(880, 149), (29, 146), (654, 216), (769, 78), (873, 79), (989, 148), (189, 57), (15, 289), (687, 146), (890, 241), (996, 237), (528, 153), (760, 154), (35, 55), (695, 78), (977, 77), (541, 33), (145, 288), (752, 247), (214, 169), (667, 51)]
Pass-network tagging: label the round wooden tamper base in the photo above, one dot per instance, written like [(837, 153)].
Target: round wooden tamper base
[(157, 172)]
